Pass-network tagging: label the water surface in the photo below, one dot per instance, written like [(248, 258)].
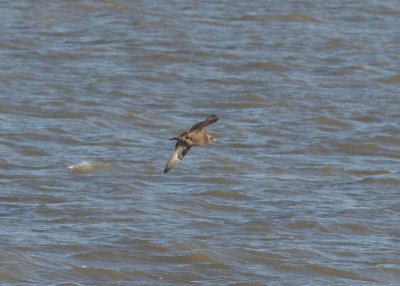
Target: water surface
[(301, 187)]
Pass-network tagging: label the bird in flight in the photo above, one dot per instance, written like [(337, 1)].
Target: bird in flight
[(194, 137)]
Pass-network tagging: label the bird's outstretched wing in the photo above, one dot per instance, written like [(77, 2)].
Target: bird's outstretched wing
[(180, 151), (203, 124)]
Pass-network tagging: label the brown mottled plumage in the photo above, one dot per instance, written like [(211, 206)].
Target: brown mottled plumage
[(194, 137)]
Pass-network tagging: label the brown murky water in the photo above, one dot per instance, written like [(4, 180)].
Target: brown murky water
[(301, 187)]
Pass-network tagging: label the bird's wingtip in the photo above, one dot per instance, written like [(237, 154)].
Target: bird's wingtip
[(213, 116)]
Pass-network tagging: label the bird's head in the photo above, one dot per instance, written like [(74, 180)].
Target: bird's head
[(210, 138)]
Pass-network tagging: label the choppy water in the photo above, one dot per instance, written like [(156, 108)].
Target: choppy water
[(301, 188)]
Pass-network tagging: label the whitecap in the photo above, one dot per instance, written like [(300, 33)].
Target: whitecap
[(88, 167)]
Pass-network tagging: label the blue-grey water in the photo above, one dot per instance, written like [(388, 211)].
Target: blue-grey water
[(300, 188)]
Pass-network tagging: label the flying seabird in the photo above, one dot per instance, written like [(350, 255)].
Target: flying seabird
[(194, 137)]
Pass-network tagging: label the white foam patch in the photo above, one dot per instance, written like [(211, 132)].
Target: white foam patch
[(88, 167)]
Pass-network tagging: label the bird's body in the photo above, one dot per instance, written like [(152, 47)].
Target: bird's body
[(194, 137)]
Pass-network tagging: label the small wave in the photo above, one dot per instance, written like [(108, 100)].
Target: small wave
[(269, 66), (250, 97), (306, 224), (98, 274), (354, 227), (195, 256), (256, 226), (331, 271), (361, 148), (30, 151), (382, 181), (391, 80), (225, 194), (220, 180), (322, 120), (389, 140), (298, 17), (87, 167), (371, 172), (366, 118)]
